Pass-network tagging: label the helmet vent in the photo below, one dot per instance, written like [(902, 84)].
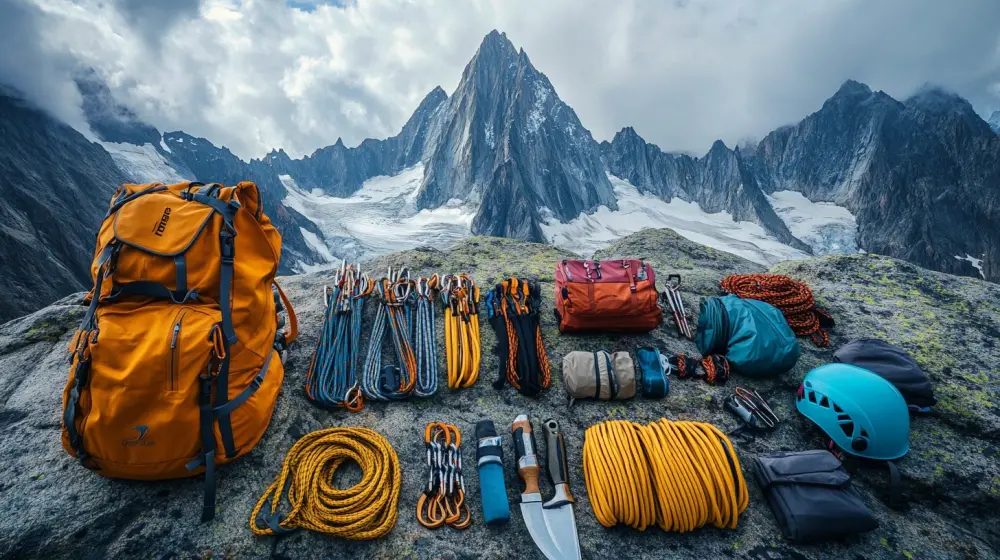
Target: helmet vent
[(824, 402), (848, 428), (864, 433), (837, 409), (812, 397)]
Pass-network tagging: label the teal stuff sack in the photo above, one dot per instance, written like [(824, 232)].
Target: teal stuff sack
[(753, 335)]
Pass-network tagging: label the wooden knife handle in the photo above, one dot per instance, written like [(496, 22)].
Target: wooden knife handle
[(524, 452)]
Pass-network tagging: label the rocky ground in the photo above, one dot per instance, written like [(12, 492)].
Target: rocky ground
[(57, 509)]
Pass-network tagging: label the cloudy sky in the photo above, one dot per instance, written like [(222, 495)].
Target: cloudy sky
[(260, 74)]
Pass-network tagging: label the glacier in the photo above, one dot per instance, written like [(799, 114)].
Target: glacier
[(588, 233), (143, 164), (826, 227), (380, 218)]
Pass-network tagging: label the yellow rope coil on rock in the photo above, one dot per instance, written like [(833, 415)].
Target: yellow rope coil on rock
[(678, 475), (366, 511)]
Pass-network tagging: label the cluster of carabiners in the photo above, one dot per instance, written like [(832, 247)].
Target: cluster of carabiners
[(752, 410), (460, 298), (394, 294), (443, 501), (332, 379)]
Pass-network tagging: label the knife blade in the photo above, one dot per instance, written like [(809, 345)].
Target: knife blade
[(531, 498), (560, 518)]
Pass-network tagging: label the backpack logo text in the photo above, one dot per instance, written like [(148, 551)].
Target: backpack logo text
[(161, 225)]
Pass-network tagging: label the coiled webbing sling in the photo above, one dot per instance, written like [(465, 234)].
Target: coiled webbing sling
[(677, 475)]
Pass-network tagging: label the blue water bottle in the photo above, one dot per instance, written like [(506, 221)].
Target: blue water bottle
[(489, 463)]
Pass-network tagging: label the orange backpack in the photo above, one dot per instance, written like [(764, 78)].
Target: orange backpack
[(176, 366), (611, 295)]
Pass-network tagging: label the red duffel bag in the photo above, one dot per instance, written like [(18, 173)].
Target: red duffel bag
[(611, 295)]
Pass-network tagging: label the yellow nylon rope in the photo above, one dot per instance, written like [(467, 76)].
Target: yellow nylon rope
[(677, 475), (365, 511)]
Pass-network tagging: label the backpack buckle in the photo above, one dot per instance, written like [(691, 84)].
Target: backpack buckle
[(228, 247)]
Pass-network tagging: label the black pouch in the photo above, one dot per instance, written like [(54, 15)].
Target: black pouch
[(895, 365), (811, 497)]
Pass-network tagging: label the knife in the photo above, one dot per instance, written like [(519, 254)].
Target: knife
[(559, 510), (553, 529)]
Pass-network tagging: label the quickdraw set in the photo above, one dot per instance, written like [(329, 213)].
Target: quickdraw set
[(513, 310), (406, 313), (332, 379), (460, 298), (443, 501)]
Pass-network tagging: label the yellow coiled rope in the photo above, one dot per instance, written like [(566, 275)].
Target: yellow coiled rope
[(365, 511), (678, 475)]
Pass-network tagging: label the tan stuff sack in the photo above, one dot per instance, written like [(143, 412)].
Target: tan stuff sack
[(599, 375)]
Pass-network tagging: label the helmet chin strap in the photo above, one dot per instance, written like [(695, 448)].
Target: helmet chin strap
[(895, 480)]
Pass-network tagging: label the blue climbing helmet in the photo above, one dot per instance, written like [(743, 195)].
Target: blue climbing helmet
[(863, 414)]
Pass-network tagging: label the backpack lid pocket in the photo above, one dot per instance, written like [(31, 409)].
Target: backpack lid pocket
[(163, 223)]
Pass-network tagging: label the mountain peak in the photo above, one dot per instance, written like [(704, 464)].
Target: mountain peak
[(494, 51), (497, 40), (627, 134), (852, 87), (994, 121)]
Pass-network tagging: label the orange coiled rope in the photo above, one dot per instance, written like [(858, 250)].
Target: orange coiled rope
[(793, 298)]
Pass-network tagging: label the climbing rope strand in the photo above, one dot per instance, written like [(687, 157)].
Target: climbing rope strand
[(677, 475), (794, 299), (366, 511)]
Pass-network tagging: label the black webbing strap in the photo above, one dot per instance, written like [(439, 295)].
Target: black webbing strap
[(245, 394), (207, 457), (123, 201), (895, 487), (227, 241), (151, 289), (87, 323), (87, 334), (180, 263)]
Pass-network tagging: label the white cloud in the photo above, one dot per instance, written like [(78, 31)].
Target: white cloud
[(258, 74)]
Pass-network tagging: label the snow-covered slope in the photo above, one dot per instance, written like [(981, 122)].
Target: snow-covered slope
[(824, 226), (589, 232), (143, 164), (380, 218)]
